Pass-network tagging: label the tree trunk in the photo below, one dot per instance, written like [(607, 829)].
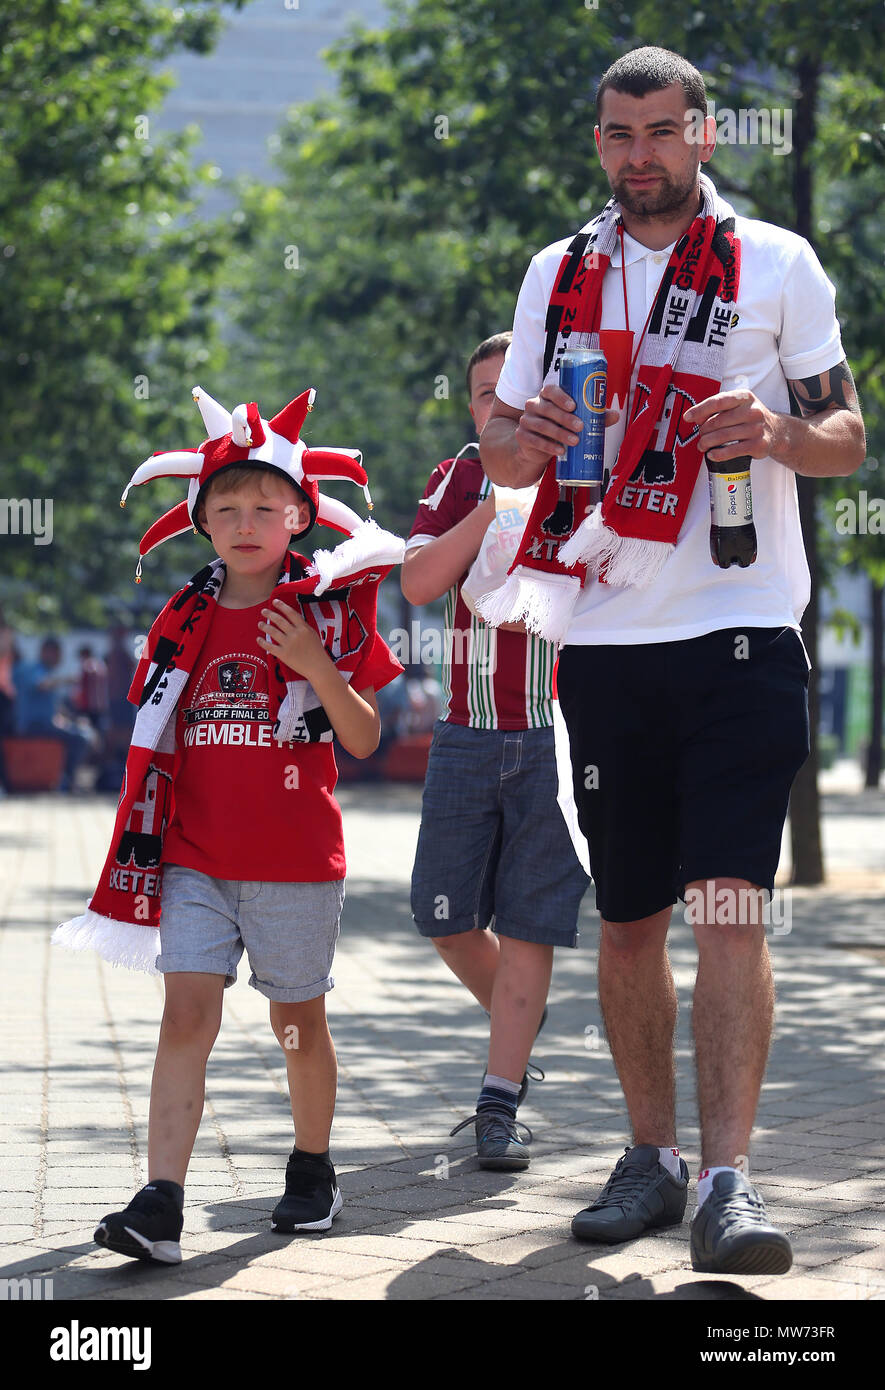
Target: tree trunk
[(877, 681), (805, 836)]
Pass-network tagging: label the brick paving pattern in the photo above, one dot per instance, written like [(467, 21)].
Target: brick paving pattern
[(421, 1221)]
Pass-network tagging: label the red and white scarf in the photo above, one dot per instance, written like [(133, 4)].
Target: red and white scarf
[(628, 537), (123, 915)]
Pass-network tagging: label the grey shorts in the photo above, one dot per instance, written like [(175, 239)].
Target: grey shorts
[(288, 931)]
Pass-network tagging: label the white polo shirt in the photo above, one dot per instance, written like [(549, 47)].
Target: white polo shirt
[(787, 329)]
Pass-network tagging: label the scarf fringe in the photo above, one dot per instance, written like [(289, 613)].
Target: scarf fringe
[(369, 545), (134, 945), (542, 600), (626, 560)]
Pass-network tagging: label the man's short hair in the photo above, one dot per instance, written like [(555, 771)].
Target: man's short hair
[(492, 347), (645, 70)]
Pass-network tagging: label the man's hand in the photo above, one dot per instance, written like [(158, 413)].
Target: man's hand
[(548, 425), (828, 440), (516, 445), (734, 423)]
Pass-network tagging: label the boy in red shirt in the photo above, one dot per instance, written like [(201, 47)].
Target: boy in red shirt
[(241, 822)]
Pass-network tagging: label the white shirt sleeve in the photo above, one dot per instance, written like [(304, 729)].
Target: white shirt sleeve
[(522, 374), (810, 341)]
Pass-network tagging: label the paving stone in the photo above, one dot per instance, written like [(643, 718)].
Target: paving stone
[(411, 1046), (524, 1287)]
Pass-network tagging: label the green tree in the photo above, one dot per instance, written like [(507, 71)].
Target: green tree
[(107, 283)]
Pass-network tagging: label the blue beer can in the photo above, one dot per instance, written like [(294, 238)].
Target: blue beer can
[(583, 376)]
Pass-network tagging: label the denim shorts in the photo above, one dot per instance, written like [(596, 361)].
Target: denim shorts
[(493, 848), (288, 931)]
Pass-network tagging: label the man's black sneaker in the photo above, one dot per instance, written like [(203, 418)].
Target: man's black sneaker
[(731, 1233), (639, 1196), (499, 1141), (312, 1199), (149, 1228)]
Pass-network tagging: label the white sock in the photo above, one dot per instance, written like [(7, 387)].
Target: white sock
[(502, 1083), (670, 1161), (705, 1181)]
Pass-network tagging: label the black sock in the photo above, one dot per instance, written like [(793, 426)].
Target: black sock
[(305, 1153), (169, 1189)]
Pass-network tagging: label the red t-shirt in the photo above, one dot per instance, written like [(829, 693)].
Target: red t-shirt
[(491, 679), (246, 806)]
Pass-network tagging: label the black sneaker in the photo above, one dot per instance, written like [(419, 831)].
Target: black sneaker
[(312, 1199), (499, 1141), (641, 1195), (731, 1233), (149, 1228)]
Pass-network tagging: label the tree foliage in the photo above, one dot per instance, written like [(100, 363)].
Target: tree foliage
[(107, 286)]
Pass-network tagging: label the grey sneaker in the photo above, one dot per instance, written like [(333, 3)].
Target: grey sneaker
[(499, 1142), (639, 1196), (731, 1233)]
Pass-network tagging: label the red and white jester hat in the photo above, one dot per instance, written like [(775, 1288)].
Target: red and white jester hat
[(244, 437)]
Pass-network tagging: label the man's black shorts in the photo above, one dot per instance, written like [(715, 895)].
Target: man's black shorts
[(683, 755)]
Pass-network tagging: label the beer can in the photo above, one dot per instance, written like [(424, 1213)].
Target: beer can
[(583, 376)]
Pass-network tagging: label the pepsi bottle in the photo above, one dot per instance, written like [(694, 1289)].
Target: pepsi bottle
[(732, 533)]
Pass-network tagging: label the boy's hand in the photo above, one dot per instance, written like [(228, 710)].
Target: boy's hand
[(291, 640)]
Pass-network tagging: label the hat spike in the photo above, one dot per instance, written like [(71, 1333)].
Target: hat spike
[(180, 463), (338, 515), (289, 420), (216, 419)]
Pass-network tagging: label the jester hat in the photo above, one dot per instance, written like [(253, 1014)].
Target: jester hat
[(245, 438)]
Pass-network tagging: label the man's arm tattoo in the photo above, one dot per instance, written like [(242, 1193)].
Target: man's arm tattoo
[(832, 390)]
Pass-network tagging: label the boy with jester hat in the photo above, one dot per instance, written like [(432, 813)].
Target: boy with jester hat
[(228, 836)]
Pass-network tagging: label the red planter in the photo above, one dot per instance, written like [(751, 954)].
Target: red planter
[(407, 759), (33, 764)]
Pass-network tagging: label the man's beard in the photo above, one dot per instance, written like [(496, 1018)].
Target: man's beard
[(669, 197)]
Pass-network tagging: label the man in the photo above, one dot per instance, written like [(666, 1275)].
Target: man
[(493, 842), (683, 686)]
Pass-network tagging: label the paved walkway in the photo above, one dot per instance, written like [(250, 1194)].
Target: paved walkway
[(420, 1220)]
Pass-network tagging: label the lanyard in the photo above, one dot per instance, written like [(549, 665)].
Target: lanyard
[(635, 356)]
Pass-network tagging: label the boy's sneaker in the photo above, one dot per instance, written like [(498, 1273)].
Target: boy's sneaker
[(731, 1233), (639, 1196), (499, 1141), (312, 1199), (149, 1228)]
